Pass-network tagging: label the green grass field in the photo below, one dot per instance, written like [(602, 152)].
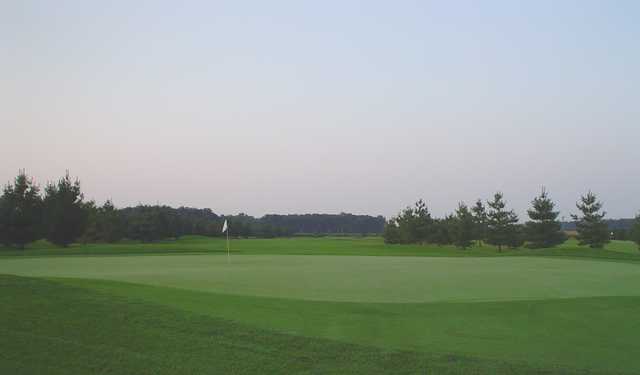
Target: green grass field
[(318, 305)]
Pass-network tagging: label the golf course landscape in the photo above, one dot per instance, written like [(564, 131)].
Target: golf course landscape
[(318, 305), (319, 188)]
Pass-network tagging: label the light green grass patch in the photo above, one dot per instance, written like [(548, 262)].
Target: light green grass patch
[(353, 278)]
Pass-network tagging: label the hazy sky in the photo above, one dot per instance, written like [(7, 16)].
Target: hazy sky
[(324, 106)]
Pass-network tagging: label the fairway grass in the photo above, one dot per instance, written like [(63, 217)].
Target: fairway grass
[(485, 314)]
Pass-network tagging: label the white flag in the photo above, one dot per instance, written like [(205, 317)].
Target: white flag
[(224, 226)]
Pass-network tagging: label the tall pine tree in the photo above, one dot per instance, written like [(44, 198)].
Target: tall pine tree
[(65, 214), (544, 229), (464, 227), (592, 229), (635, 231), (20, 212), (480, 221), (502, 228)]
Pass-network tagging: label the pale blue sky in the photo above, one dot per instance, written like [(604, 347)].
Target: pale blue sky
[(326, 106)]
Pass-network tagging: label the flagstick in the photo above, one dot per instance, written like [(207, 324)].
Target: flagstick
[(227, 245)]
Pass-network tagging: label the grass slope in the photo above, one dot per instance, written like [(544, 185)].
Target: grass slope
[(56, 329), (593, 333)]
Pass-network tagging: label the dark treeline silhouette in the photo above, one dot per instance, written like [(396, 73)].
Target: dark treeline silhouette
[(322, 223), (491, 222), (621, 229), (62, 216)]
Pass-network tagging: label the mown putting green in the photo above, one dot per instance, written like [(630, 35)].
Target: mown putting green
[(352, 278)]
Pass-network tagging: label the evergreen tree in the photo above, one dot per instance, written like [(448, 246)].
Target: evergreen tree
[(91, 231), (591, 227), (635, 231), (65, 216), (517, 237), (109, 222), (544, 229), (391, 232), (422, 221), (415, 224), (464, 227), (20, 212), (4, 238), (480, 221), (502, 229), (443, 231)]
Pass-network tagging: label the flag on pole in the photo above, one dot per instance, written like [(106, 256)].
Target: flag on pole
[(225, 229)]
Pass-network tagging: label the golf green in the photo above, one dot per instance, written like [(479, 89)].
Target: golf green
[(352, 278)]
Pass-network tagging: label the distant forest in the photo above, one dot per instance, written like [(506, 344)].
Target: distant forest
[(61, 215), (613, 224)]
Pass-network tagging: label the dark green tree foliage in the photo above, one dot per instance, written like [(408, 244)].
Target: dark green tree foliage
[(635, 231), (150, 223), (464, 229), (391, 232), (412, 225), (20, 212), (479, 221), (544, 229), (517, 239), (592, 229), (105, 223), (4, 238), (110, 223), (442, 232), (65, 214), (325, 223), (91, 229), (620, 235), (241, 225), (408, 226), (423, 221), (502, 228)]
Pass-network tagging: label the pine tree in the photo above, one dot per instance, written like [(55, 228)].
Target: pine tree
[(391, 232), (65, 214), (415, 224), (480, 221), (635, 231), (544, 229), (111, 227), (464, 228), (422, 221), (502, 229), (591, 227), (443, 231), (20, 212)]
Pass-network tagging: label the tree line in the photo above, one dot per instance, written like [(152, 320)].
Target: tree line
[(494, 224), (61, 215)]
